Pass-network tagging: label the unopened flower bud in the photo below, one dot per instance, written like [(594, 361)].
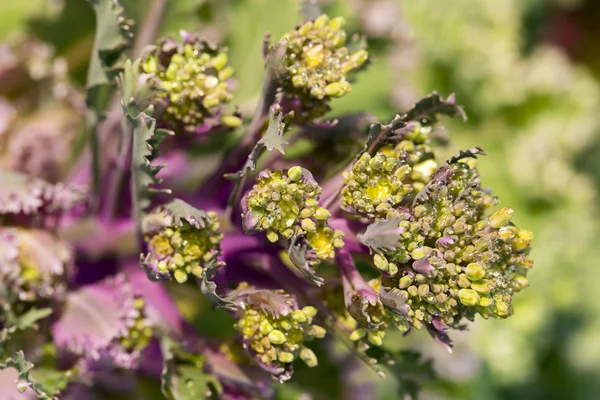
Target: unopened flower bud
[(501, 217), (468, 297)]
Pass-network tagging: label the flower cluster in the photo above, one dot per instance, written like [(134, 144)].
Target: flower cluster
[(275, 329), (416, 150), (317, 62), (193, 78), (400, 239), (287, 204), (374, 188), (451, 262), (177, 247)]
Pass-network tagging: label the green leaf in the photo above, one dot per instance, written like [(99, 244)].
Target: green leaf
[(411, 372), (273, 139), (13, 323), (29, 319), (382, 235), (46, 383), (470, 153), (181, 380), (209, 288), (52, 380), (135, 98), (182, 211), (428, 108), (146, 139), (425, 111), (113, 36)]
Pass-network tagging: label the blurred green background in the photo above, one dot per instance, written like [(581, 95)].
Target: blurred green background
[(527, 74)]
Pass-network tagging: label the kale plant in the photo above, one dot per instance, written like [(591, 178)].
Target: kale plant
[(370, 233)]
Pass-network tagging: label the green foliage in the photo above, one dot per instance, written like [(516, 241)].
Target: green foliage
[(113, 36), (182, 377), (45, 383)]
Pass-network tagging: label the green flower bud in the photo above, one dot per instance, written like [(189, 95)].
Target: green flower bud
[(320, 22), (276, 337), (375, 338), (475, 271), (272, 236), (318, 331), (180, 276), (308, 225), (309, 357), (335, 89), (266, 327), (380, 262), (358, 334), (309, 311), (468, 297), (295, 173), (359, 58), (405, 281), (322, 214), (220, 61), (231, 121), (299, 316), (501, 217)]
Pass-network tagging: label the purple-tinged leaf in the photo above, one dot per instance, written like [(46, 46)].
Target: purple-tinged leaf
[(429, 107), (423, 266), (94, 321), (21, 194), (209, 287), (470, 153), (393, 301), (445, 241), (297, 251), (271, 302), (439, 332), (383, 235)]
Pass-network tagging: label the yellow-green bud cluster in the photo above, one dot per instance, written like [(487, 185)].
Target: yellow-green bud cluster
[(287, 205), (374, 186), (276, 339), (452, 262), (182, 250), (416, 151), (139, 330), (193, 77), (317, 61)]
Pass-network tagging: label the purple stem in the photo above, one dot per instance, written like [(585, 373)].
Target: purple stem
[(237, 157), (350, 273)]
